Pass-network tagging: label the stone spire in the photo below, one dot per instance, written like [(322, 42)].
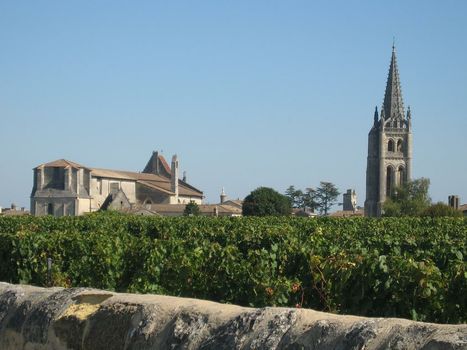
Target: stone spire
[(393, 105)]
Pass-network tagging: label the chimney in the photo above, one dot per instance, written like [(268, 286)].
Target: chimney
[(184, 176), (453, 201), (174, 176), (223, 196)]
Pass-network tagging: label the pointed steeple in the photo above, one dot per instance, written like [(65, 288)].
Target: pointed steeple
[(393, 105)]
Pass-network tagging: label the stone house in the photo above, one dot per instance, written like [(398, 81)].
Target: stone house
[(63, 187)]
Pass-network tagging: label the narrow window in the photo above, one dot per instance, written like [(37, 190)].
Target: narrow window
[(399, 145), (389, 180), (391, 146), (400, 176), (50, 209)]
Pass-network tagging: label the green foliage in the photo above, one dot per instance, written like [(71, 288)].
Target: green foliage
[(295, 197), (411, 199), (265, 201), (326, 196), (440, 209), (399, 267), (191, 209)]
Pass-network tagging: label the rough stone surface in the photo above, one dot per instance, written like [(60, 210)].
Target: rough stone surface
[(78, 318)]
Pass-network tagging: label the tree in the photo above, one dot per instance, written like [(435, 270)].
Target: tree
[(265, 201), (440, 209), (410, 199), (309, 199), (325, 196), (191, 209), (295, 197)]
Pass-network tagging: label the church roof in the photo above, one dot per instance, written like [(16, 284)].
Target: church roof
[(62, 163), (150, 180), (160, 182), (393, 106)]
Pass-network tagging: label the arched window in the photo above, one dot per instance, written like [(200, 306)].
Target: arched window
[(391, 146), (389, 180), (400, 176), (399, 145)]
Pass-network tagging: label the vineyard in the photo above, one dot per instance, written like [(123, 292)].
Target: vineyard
[(405, 267)]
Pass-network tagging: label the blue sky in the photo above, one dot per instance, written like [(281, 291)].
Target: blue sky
[(247, 93)]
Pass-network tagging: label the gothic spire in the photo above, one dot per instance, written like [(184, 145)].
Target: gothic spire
[(393, 105)]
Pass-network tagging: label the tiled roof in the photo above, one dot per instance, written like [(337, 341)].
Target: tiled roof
[(347, 213), (62, 163), (158, 182), (463, 207), (203, 208)]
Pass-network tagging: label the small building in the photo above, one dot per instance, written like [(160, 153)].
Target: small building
[(64, 187), (13, 211), (350, 201)]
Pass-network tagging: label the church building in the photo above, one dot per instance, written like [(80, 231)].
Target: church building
[(389, 162), (64, 188)]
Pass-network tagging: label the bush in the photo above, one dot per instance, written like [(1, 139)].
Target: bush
[(440, 209)]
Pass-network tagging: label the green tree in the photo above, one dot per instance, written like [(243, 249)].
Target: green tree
[(441, 209), (191, 209), (295, 197), (265, 201), (410, 199), (325, 196), (309, 199)]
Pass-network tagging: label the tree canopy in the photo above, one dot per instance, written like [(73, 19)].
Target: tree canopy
[(326, 196), (410, 199), (191, 209), (265, 201), (321, 198)]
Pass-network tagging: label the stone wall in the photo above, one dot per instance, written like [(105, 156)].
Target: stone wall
[(80, 318)]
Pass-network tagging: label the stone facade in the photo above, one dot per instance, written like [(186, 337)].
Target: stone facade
[(389, 162), (64, 188), (350, 201)]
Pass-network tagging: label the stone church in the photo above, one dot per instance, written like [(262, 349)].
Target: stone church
[(389, 162), (63, 187)]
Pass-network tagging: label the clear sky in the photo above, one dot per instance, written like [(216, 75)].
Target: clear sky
[(247, 93)]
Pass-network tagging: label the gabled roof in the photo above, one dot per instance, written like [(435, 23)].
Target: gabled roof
[(157, 165), (62, 163), (158, 182), (393, 106)]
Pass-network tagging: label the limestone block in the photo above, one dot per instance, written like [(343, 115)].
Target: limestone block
[(81, 318)]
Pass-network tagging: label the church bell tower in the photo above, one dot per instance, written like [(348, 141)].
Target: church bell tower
[(389, 162)]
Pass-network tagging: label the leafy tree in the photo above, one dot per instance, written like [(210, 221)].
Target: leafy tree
[(325, 196), (295, 197), (265, 201), (191, 209), (441, 209), (309, 199), (410, 199)]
